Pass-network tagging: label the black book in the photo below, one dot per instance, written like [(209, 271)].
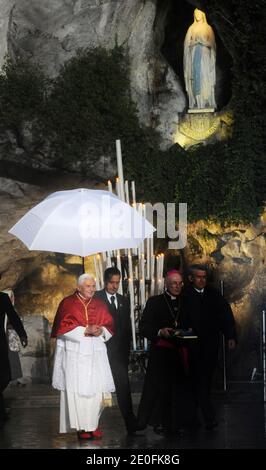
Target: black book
[(184, 334)]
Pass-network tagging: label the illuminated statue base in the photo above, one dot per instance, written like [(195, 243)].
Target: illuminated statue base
[(203, 126), (197, 110)]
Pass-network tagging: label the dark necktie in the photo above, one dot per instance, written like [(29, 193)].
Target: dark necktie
[(115, 315), (113, 301), (201, 294)]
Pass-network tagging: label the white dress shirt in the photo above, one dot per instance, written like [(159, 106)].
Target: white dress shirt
[(200, 291), (110, 300)]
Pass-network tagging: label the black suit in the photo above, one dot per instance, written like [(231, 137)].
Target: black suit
[(118, 349), (6, 308), (167, 398), (209, 314)]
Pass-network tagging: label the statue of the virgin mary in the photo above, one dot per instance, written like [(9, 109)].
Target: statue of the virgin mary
[(199, 63)]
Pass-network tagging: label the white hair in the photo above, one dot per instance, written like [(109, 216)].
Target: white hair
[(84, 277)]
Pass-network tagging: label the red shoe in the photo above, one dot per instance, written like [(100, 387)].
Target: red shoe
[(84, 434), (97, 434)]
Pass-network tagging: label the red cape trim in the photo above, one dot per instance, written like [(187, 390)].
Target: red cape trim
[(71, 313)]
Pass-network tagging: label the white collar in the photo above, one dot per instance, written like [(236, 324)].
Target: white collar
[(110, 295), (200, 291), (172, 297), (82, 296), (109, 298)]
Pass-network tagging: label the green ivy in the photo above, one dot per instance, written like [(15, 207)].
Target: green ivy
[(22, 95), (86, 106)]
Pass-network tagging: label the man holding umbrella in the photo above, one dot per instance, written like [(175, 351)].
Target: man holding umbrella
[(82, 372)]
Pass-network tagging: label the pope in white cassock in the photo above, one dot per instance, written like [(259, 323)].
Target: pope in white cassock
[(82, 372)]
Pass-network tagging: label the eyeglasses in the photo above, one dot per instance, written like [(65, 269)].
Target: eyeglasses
[(178, 284)]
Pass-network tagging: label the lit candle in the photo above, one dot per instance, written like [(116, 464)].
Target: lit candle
[(157, 267), (127, 201), (120, 167), (142, 293), (162, 264), (99, 259), (152, 286), (130, 267), (145, 344), (135, 249), (118, 263), (127, 191), (152, 250), (152, 266), (159, 286), (118, 188), (143, 266), (96, 273), (140, 209), (132, 312), (133, 190), (110, 187), (148, 245), (108, 261)]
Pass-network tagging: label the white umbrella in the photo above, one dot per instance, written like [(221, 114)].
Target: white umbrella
[(82, 222)]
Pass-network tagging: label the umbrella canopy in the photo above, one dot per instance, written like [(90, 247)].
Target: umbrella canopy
[(82, 222)]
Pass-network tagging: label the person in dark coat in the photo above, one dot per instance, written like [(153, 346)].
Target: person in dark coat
[(118, 347), (13, 354), (167, 401), (6, 308), (209, 315)]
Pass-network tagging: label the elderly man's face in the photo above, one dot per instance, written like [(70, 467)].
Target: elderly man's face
[(174, 284), (87, 288)]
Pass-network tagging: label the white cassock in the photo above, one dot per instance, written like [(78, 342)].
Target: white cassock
[(82, 373)]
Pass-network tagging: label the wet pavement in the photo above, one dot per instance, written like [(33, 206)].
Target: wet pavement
[(34, 422)]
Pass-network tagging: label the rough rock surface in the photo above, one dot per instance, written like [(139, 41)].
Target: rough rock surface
[(41, 280), (237, 256), (52, 31)]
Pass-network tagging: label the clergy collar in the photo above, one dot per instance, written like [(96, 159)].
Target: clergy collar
[(200, 291), (82, 296), (172, 297)]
